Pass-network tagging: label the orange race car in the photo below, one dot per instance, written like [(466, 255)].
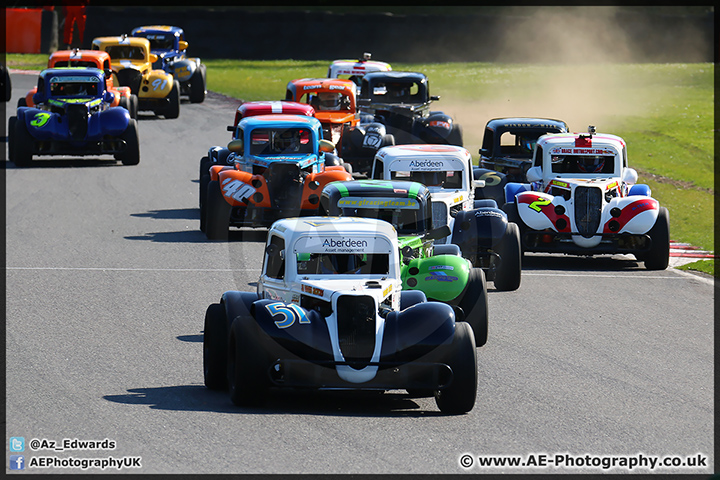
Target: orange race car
[(92, 59), (333, 100)]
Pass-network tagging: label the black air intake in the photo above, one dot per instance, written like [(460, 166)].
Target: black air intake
[(129, 77), (77, 115), (284, 185), (356, 328), (588, 208)]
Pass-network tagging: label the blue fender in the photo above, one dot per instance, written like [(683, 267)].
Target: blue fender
[(640, 189), (301, 332), (512, 189), (475, 231), (113, 121), (494, 184), (184, 69)]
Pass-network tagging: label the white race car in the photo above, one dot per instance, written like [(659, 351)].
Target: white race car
[(330, 313), (583, 199)]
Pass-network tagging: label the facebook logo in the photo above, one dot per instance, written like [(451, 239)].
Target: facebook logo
[(17, 444), (17, 462)]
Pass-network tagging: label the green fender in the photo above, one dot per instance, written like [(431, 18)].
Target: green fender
[(442, 277)]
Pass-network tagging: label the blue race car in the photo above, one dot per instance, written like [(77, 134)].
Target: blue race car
[(72, 116), (169, 44)]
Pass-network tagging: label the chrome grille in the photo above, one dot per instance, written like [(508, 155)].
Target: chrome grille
[(588, 208), (439, 218), (356, 328)]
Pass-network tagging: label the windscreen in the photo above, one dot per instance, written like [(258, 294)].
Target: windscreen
[(343, 263), (125, 52), (265, 141), (451, 179)]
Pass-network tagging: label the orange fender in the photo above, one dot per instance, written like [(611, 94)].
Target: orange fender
[(315, 182)]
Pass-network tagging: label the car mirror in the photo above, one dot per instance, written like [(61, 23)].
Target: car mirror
[(108, 97), (434, 98), (182, 45), (478, 183), (438, 233), (630, 176), (236, 146), (153, 58), (326, 146), (534, 174), (37, 98)]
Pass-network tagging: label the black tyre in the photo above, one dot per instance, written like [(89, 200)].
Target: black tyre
[(11, 137), (197, 85), (133, 102), (204, 181), (22, 102), (658, 257), (131, 154), (22, 145), (475, 305), (217, 213), (507, 276), (460, 395), (215, 345), (172, 109), (247, 364)]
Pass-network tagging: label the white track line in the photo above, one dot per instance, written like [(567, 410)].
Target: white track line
[(114, 269)]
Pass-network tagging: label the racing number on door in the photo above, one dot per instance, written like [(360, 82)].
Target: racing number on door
[(491, 178), (539, 203), (290, 313), (159, 83), (40, 119)]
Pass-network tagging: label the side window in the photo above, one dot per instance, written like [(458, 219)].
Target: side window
[(378, 168), (275, 258), (538, 157), (488, 141)]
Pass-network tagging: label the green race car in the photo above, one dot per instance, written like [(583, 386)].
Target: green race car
[(439, 271)]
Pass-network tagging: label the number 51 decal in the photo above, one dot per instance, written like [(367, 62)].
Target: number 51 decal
[(290, 313)]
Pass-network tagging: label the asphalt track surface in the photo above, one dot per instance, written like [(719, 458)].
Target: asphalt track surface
[(108, 279)]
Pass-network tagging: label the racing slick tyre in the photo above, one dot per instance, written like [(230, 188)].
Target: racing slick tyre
[(131, 154), (215, 345), (22, 145), (507, 277), (474, 303), (658, 257), (247, 364), (133, 103), (217, 213), (461, 357), (172, 109), (513, 216), (11, 137), (197, 85)]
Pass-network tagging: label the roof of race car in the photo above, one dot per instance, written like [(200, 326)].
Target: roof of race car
[(280, 120), (581, 141), (73, 72), (317, 83), (325, 227), (355, 67), (377, 188), (249, 109), (527, 122), (77, 54), (177, 31), (121, 40), (423, 151), (395, 75)]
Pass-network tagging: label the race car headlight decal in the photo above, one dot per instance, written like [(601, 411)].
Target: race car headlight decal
[(561, 224), (613, 225), (615, 212), (559, 210)]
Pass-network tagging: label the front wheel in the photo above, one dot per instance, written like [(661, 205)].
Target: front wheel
[(172, 109), (658, 258), (217, 213), (215, 344), (131, 154), (475, 305), (197, 85), (22, 144), (460, 395), (507, 276), (247, 364)]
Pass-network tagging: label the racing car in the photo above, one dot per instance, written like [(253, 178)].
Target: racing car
[(482, 230), (439, 271), (278, 167), (354, 70), (132, 64), (169, 44), (91, 59), (72, 115), (333, 101), (395, 110), (584, 199), (508, 143), (329, 313)]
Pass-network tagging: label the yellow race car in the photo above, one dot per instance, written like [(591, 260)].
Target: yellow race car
[(131, 63)]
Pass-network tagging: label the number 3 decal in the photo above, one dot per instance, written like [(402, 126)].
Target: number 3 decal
[(290, 313), (41, 118)]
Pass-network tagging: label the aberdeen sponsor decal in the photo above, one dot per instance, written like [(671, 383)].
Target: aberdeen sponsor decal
[(344, 243)]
